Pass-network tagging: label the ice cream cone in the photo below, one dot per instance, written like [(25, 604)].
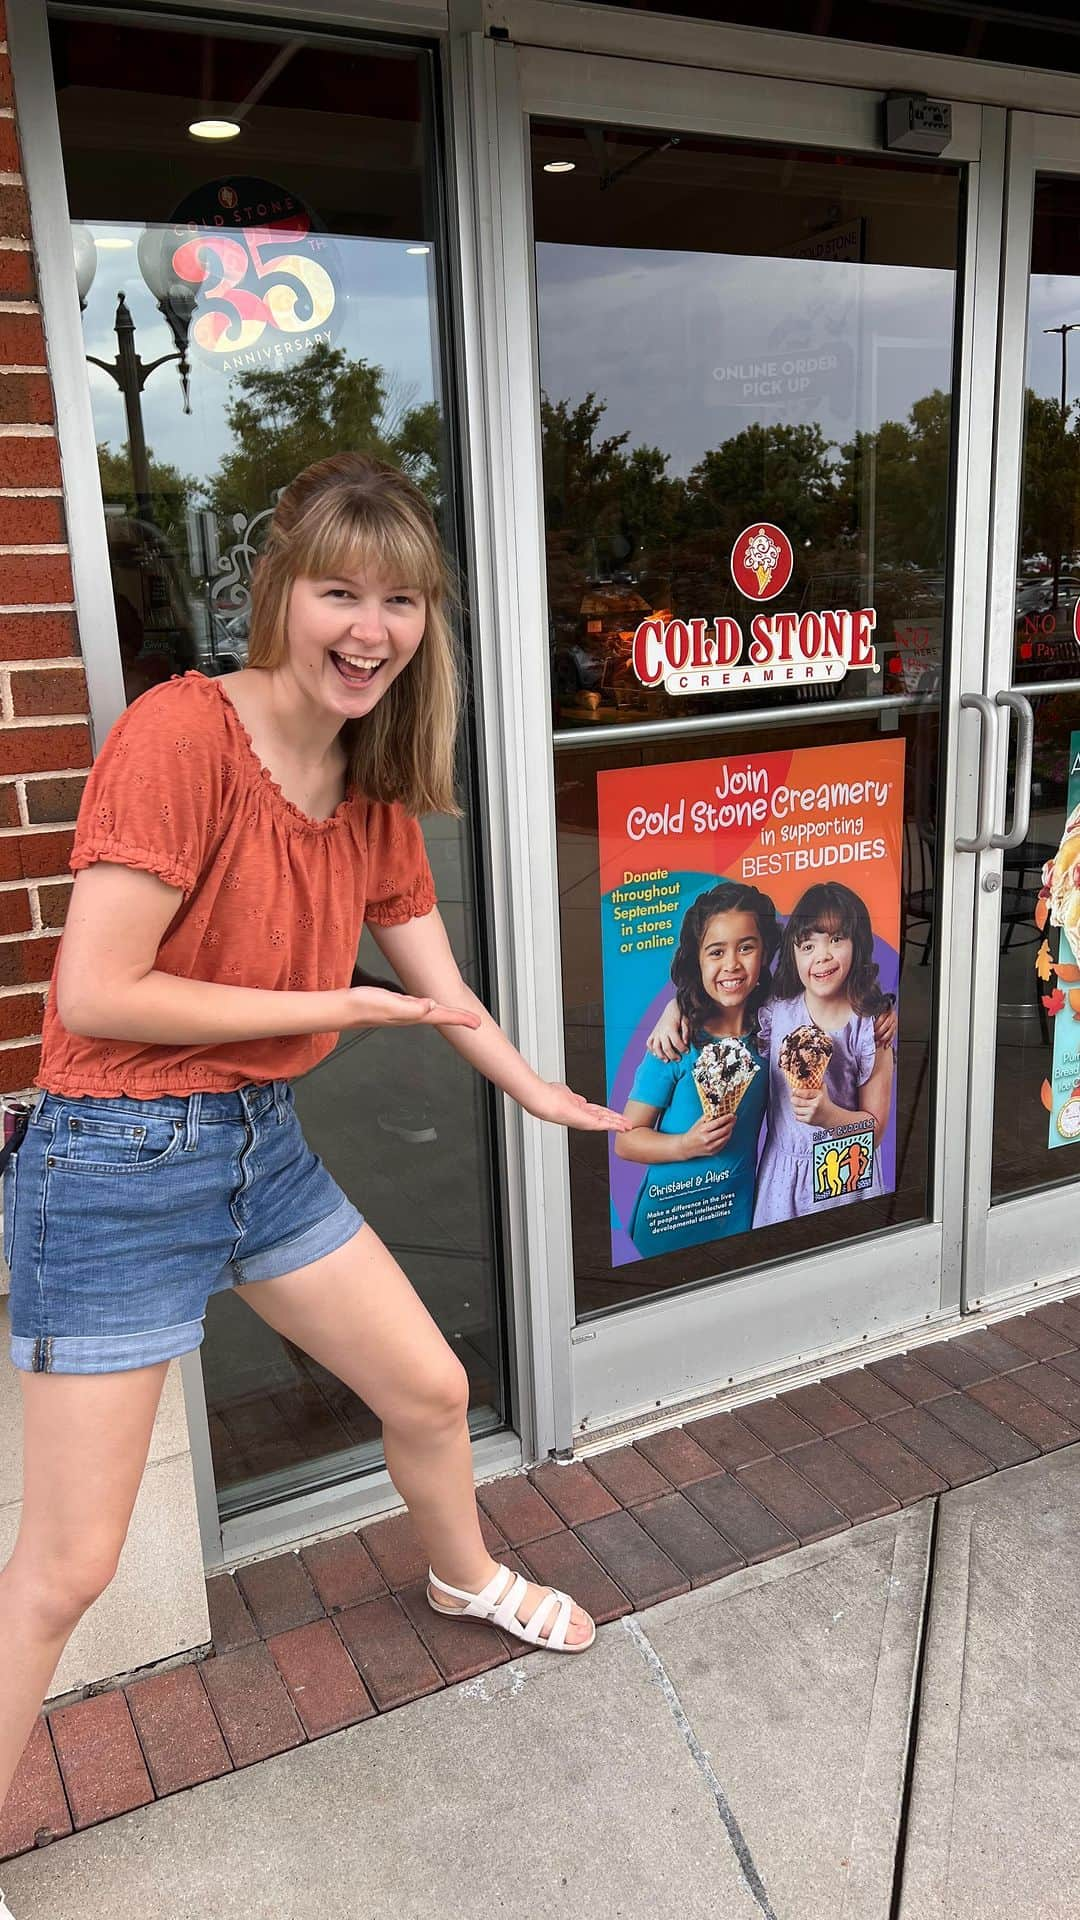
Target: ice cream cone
[(802, 1083), (728, 1102), (764, 575)]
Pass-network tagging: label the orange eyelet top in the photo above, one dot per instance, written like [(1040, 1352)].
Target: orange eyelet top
[(271, 898)]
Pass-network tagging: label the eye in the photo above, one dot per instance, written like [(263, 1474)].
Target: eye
[(405, 599), (337, 593)]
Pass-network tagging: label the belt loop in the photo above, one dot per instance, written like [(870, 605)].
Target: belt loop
[(191, 1124), (280, 1104)]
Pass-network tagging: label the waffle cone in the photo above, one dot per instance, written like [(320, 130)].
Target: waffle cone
[(719, 1109), (800, 1085)]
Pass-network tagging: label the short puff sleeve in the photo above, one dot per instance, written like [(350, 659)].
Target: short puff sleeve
[(400, 886), (154, 799), (865, 1048), (654, 1082)]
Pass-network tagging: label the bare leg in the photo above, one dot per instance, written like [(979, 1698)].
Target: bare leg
[(85, 1444), (355, 1313)]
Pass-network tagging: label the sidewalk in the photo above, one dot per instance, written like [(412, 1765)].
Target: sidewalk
[(760, 1746)]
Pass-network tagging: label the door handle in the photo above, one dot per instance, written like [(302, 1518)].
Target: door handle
[(1025, 754), (988, 715)]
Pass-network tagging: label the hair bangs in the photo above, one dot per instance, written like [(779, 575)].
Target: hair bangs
[(350, 534)]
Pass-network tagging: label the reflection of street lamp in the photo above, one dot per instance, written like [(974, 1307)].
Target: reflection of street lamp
[(176, 303), (1066, 327)]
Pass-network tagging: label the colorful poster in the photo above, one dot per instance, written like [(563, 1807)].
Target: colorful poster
[(1060, 907), (751, 929)]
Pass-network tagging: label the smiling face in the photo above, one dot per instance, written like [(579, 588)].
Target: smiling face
[(349, 635), (730, 956), (823, 961)]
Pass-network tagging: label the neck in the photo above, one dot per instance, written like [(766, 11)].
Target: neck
[(303, 728), (831, 1013), (726, 1021)]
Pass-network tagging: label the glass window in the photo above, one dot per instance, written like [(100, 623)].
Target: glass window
[(259, 247)]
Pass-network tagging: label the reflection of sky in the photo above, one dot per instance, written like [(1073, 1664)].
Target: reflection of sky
[(1054, 299), (387, 321), (684, 346)]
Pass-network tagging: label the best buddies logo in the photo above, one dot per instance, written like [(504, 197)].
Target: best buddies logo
[(777, 649)]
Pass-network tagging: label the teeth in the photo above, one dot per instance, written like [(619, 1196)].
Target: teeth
[(355, 660)]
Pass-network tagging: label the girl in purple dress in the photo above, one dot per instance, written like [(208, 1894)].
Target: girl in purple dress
[(826, 979)]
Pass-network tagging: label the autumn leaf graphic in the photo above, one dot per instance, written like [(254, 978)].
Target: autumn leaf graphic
[(1068, 973), (1046, 1096), (1042, 912), (1053, 1002), (1044, 966)]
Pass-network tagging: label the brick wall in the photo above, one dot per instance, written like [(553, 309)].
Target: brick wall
[(44, 730)]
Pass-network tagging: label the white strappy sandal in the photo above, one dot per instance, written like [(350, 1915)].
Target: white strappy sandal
[(498, 1604), (5, 1910)]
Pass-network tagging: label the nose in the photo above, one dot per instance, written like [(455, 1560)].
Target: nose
[(367, 621)]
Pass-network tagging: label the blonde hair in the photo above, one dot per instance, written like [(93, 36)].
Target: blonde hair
[(351, 513)]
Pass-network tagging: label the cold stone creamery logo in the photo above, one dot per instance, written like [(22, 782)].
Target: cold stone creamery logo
[(777, 650)]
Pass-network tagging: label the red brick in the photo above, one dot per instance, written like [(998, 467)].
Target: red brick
[(7, 96), (279, 1593), (397, 1550), (1068, 1363), (823, 1408), (22, 962), (231, 1625), (806, 1513), (30, 462), (180, 1738), (562, 1560), (952, 1360), (46, 690), (1034, 1337), (324, 1686), (36, 636), (841, 1480), (776, 1425), (54, 901), (686, 1537), (18, 1068), (17, 280), (51, 801), (1012, 1400), (343, 1572), (677, 1456), (43, 749), (890, 1464), (912, 1381), (520, 1513), (29, 522), (749, 1527), (394, 1664), (26, 578), (15, 225), (574, 1492), (866, 1393), (1062, 1315), (252, 1705), (34, 856), (992, 1350), (631, 1556), (101, 1761), (724, 1436), (461, 1649), (1055, 1389), (15, 914), (35, 1810), (628, 1476), (1000, 1444), (9, 806), (21, 1014), (26, 400), (10, 157), (940, 1447)]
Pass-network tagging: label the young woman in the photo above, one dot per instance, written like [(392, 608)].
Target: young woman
[(721, 973), (233, 838)]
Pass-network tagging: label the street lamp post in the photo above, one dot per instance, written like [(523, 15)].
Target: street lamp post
[(1066, 327)]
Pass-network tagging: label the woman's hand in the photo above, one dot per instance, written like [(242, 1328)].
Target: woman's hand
[(707, 1137), (384, 1007), (885, 1028), (564, 1108), (670, 1037)]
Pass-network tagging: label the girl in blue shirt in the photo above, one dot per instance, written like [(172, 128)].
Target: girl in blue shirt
[(701, 1172)]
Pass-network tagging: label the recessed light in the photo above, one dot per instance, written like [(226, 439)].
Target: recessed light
[(559, 166), (111, 243), (214, 129), (418, 250)]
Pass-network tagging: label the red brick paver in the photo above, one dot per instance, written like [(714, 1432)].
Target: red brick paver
[(866, 1393), (824, 1409), (231, 1625), (562, 1560), (574, 1492), (891, 1464), (688, 1539), (36, 1808), (797, 1505), (777, 1425), (461, 1649), (395, 1547), (631, 1556), (1034, 1337), (731, 1508), (279, 1593), (180, 1738), (343, 1572), (252, 1705), (520, 1513), (906, 1375), (394, 1663), (677, 1456), (842, 1480), (1013, 1402), (942, 1449), (101, 1761), (729, 1440), (628, 1476), (1001, 1445), (324, 1686)]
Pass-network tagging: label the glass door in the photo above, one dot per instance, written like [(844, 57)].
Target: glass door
[(749, 335), (1026, 1007)]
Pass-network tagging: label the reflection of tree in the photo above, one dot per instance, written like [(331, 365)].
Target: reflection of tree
[(1050, 514), (282, 421), (170, 490)]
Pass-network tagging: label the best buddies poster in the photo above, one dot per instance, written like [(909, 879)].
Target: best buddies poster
[(751, 932)]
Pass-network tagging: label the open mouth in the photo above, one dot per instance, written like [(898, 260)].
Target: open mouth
[(731, 986), (354, 670)]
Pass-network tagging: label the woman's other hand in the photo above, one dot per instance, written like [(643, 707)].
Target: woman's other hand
[(670, 1037), (565, 1108), (384, 1007), (707, 1137)]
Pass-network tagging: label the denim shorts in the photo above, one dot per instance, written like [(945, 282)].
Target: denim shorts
[(122, 1217)]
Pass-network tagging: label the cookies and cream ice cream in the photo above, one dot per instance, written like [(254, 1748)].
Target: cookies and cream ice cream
[(722, 1072), (804, 1058)]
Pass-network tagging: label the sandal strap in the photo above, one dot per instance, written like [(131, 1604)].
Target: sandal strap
[(482, 1605), (557, 1637), (499, 1604)]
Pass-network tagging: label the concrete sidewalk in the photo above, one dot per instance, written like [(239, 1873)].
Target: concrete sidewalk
[(747, 1749)]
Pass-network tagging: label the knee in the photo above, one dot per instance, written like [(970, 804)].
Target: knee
[(440, 1395), (61, 1587)]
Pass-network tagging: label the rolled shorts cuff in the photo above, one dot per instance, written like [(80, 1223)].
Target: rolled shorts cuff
[(325, 1237), (105, 1352)]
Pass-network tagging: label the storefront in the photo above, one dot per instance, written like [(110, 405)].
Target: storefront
[(747, 405)]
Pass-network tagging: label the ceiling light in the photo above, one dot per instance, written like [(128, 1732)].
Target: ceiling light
[(111, 243), (418, 249), (214, 129), (559, 166)]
